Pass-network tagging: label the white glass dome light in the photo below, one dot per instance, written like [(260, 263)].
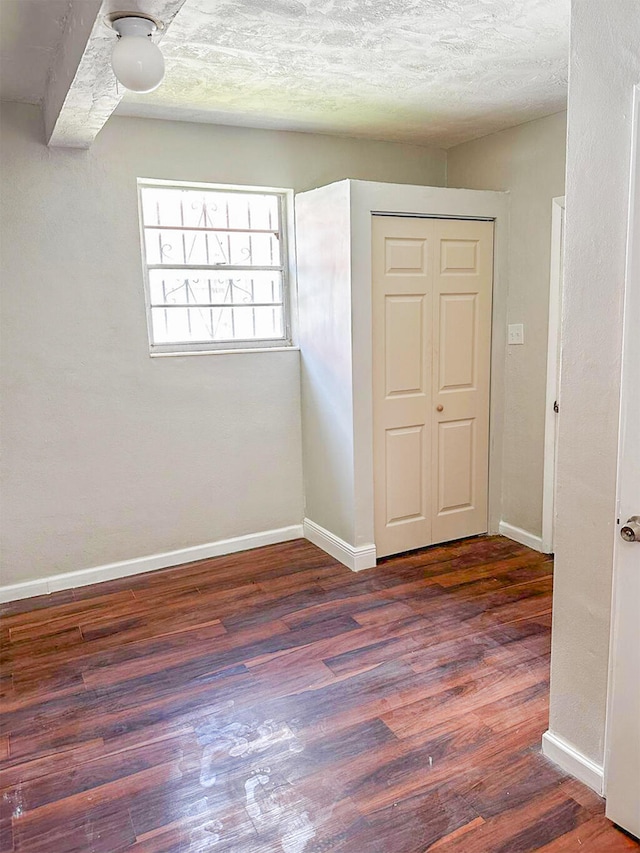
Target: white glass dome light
[(137, 62)]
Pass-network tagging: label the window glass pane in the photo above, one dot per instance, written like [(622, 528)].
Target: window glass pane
[(160, 206), (269, 323), (177, 287), (200, 325), (172, 325), (208, 209), (211, 247), (266, 287)]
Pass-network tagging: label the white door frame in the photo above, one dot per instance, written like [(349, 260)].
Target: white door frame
[(553, 371), (622, 744)]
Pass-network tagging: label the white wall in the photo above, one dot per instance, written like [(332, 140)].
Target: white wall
[(604, 67), (529, 162), (108, 454), (323, 233)]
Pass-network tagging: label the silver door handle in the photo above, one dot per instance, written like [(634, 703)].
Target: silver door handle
[(631, 531)]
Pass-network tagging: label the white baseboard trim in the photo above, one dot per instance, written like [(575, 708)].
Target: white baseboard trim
[(573, 762), (354, 558), (112, 571), (520, 535), (28, 589)]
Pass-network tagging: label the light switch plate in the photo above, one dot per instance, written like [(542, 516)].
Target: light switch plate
[(516, 333)]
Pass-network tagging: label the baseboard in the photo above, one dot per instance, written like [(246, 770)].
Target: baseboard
[(28, 589), (573, 762), (354, 558), (520, 535), (112, 571)]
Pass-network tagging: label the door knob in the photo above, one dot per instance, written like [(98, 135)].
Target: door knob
[(631, 531), (439, 408)]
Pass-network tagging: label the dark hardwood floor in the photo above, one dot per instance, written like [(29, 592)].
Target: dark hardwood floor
[(275, 702)]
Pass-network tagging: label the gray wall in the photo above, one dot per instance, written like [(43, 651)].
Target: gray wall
[(108, 454), (529, 161), (604, 67)]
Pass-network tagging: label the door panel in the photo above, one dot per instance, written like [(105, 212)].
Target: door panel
[(405, 455), (405, 256), (458, 326), (456, 452), (432, 283), (458, 257), (404, 337), (402, 264), (462, 294)]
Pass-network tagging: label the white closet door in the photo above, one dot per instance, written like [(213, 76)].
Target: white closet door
[(402, 265), (463, 277), (432, 333)]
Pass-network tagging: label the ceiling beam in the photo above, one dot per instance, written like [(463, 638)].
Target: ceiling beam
[(82, 90)]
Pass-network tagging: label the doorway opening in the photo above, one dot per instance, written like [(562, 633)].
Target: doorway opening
[(552, 404)]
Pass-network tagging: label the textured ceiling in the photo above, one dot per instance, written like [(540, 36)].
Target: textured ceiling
[(428, 71)]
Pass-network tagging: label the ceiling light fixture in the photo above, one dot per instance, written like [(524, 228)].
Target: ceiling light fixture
[(137, 62)]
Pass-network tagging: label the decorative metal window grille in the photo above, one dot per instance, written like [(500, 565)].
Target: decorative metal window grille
[(216, 267)]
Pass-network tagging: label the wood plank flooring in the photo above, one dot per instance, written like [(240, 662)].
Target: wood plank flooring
[(275, 702)]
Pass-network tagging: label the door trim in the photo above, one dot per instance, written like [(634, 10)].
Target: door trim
[(431, 216), (553, 368)]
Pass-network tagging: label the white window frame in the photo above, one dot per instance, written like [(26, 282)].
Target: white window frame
[(287, 268)]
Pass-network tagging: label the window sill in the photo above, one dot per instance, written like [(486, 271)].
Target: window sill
[(237, 351)]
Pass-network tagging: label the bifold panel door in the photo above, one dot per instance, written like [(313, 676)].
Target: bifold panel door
[(432, 284)]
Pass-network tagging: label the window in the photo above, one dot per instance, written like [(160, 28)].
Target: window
[(216, 267)]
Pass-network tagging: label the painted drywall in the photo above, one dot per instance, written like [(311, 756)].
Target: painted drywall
[(604, 67), (109, 454), (323, 233), (529, 162)]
